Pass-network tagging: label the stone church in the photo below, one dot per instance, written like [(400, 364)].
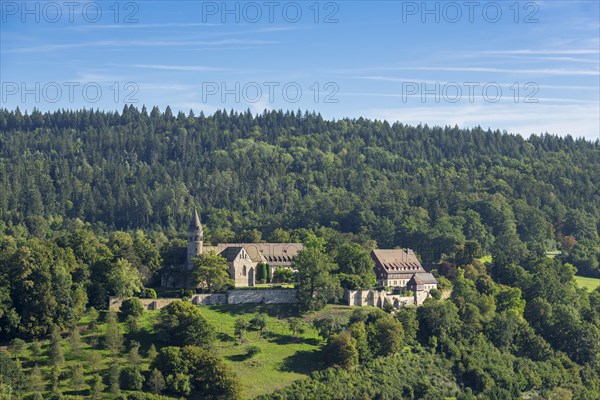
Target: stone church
[(243, 259)]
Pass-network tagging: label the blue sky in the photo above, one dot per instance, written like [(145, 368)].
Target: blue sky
[(525, 67)]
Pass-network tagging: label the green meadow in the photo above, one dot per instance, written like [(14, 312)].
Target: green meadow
[(587, 283), (263, 362)]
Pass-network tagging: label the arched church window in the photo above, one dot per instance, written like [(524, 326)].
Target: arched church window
[(244, 270)]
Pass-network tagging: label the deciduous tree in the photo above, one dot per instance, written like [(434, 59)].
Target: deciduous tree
[(316, 285), (210, 272)]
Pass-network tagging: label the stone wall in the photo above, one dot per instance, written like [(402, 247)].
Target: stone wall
[(259, 296), (381, 299), (149, 304), (266, 296), (209, 299)]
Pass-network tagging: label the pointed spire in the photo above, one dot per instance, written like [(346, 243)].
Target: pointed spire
[(195, 224)]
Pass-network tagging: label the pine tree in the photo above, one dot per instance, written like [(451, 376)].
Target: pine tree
[(152, 353), (97, 387), (75, 342), (94, 360), (55, 378), (92, 315), (114, 378), (134, 380), (36, 381), (57, 357), (156, 381), (114, 337), (133, 356), (36, 349), (77, 377)]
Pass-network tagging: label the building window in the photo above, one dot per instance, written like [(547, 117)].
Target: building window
[(244, 270)]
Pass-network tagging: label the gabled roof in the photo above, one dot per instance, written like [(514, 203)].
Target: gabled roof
[(397, 260), (272, 253), (230, 253), (422, 278)]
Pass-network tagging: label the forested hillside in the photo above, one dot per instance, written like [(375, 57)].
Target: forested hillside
[(95, 204), (432, 189)]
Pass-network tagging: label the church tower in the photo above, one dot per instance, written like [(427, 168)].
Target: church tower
[(195, 238)]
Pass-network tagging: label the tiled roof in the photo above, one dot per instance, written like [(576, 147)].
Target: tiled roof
[(272, 253), (399, 260), (230, 253), (422, 278)]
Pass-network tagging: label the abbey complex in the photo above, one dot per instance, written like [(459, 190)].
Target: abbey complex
[(394, 268)]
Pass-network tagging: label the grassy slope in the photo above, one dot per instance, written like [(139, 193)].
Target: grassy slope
[(282, 360), (587, 283)]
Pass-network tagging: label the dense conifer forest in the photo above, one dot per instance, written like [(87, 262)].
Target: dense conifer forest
[(95, 203)]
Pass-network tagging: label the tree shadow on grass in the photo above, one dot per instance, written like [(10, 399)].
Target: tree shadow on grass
[(303, 362), (80, 393), (239, 357), (224, 337), (146, 338), (290, 339)]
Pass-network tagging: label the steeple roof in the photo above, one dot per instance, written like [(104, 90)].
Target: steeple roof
[(195, 224)]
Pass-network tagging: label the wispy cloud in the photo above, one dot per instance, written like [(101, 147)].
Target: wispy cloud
[(547, 52), (87, 27), (466, 98), (137, 43), (187, 68), (446, 82), (519, 71), (591, 60), (167, 87)]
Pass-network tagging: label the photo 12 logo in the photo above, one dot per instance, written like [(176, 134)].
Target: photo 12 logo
[(453, 12), (71, 92), (271, 92), (52, 12), (252, 12), (454, 92)]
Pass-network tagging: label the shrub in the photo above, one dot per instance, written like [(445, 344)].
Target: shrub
[(328, 326), (259, 322), (436, 294), (186, 294), (131, 307), (241, 326), (148, 293), (251, 351), (18, 345), (283, 275)]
